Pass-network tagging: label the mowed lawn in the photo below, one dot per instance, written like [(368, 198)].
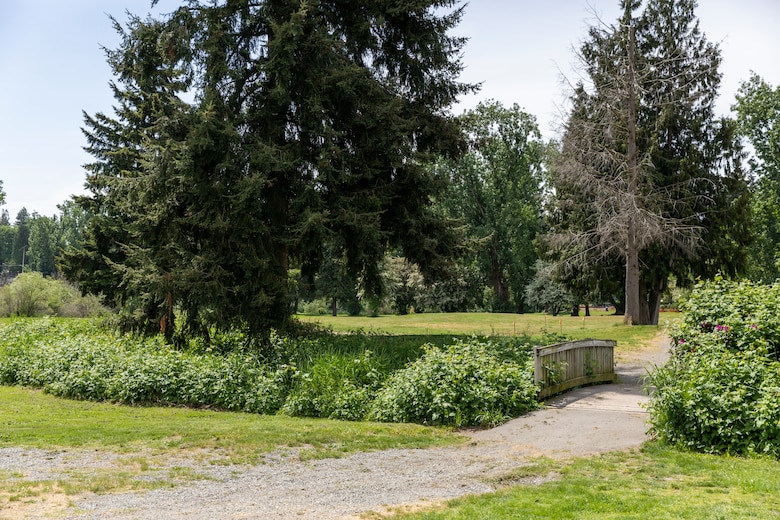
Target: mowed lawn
[(600, 325)]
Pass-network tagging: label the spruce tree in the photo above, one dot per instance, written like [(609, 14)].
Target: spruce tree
[(255, 132)]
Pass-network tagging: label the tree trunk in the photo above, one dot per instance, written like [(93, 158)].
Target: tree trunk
[(575, 309), (587, 310), (500, 289), (633, 315), (333, 307), (633, 311)]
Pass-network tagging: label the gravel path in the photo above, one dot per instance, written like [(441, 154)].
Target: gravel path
[(585, 421)]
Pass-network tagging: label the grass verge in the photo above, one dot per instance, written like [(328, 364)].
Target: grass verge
[(30, 418), (656, 482)]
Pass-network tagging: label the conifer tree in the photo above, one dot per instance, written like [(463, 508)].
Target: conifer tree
[(250, 133), (646, 173)]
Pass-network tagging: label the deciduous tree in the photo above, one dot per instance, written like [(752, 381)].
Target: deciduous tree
[(758, 109), (496, 191)]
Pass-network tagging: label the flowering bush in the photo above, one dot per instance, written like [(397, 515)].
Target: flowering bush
[(719, 392)]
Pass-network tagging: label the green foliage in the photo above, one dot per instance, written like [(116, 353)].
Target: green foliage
[(21, 238), (465, 383), (545, 293), (477, 382), (31, 294), (250, 135), (719, 392), (337, 386), (496, 190), (85, 362), (43, 244), (7, 235), (27, 295), (758, 109)]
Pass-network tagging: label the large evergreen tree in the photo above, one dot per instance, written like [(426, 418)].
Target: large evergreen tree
[(309, 124), (646, 173)]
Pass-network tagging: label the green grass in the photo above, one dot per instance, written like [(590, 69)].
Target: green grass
[(536, 326), (656, 482), (30, 418)]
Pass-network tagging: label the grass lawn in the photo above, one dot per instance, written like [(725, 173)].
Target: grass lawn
[(30, 418), (600, 325), (656, 482)]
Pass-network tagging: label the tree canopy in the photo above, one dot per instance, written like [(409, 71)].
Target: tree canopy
[(247, 135), (758, 109), (496, 191)]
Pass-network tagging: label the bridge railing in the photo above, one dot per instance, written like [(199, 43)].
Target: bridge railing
[(567, 365)]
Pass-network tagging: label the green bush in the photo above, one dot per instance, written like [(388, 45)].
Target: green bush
[(337, 386), (350, 377), (466, 383), (719, 392), (31, 294), (82, 361)]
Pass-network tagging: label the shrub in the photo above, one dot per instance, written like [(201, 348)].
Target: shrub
[(337, 386), (337, 376), (465, 383), (85, 362), (719, 392), (30, 294)]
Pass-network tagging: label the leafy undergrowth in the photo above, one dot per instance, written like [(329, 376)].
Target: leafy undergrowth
[(357, 377)]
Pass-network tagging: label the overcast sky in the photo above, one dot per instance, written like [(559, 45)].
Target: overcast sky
[(52, 67)]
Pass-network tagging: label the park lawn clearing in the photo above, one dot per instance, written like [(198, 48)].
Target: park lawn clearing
[(655, 482), (541, 328), (30, 418)]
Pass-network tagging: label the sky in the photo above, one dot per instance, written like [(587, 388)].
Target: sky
[(53, 67)]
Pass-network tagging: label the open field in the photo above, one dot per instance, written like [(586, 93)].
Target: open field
[(600, 325)]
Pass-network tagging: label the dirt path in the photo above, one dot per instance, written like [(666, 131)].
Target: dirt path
[(585, 421)]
